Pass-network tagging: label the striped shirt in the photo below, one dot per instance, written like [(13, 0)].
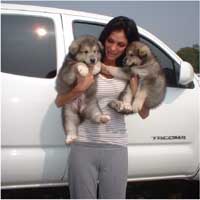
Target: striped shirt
[(113, 132)]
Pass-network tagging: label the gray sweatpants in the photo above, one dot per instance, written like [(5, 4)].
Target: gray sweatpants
[(90, 163)]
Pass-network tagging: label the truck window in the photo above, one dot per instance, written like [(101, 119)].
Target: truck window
[(170, 67), (87, 28), (28, 46)]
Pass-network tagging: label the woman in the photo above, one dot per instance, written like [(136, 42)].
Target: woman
[(100, 152)]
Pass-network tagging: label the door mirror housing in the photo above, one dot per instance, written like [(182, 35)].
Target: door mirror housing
[(186, 73)]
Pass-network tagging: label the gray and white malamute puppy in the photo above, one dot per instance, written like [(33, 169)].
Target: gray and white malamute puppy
[(84, 56), (140, 61)]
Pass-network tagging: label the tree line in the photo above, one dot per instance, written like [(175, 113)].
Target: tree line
[(191, 55)]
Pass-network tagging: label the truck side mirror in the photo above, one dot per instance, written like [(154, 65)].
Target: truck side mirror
[(186, 73)]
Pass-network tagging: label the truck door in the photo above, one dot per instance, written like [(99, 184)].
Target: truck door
[(33, 149), (164, 145)]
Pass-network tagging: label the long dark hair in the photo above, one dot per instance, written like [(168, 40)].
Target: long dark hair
[(120, 23)]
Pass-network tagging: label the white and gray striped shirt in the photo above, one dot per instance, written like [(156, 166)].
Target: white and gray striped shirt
[(114, 132)]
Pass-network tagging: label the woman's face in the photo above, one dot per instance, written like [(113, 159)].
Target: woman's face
[(115, 45)]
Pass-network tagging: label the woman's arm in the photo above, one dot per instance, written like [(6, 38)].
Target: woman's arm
[(144, 113), (134, 84), (83, 84), (114, 71)]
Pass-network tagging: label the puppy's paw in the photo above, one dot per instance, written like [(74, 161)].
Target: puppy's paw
[(70, 139), (101, 118), (97, 68), (127, 108), (82, 69), (137, 106), (116, 105), (105, 118)]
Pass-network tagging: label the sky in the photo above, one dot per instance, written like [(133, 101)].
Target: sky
[(176, 23)]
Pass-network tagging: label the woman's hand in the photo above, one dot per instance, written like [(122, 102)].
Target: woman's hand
[(83, 84), (104, 69), (144, 113), (113, 71)]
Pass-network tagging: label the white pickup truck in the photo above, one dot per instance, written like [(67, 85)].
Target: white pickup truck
[(34, 43)]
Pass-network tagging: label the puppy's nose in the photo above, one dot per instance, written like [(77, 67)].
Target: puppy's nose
[(92, 60), (134, 63)]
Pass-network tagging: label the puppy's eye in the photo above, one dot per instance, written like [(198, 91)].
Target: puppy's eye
[(86, 52), (95, 51)]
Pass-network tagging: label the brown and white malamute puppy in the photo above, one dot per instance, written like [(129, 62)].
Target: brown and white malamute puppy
[(84, 56), (140, 61)]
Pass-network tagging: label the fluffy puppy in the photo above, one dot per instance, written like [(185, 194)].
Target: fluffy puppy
[(141, 62), (83, 57)]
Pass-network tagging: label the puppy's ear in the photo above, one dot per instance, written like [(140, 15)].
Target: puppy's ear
[(144, 51), (133, 46), (74, 47), (100, 46)]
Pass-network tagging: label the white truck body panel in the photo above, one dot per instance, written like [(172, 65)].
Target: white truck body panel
[(163, 146)]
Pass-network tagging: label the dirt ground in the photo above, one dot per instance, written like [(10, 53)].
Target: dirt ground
[(176, 189)]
